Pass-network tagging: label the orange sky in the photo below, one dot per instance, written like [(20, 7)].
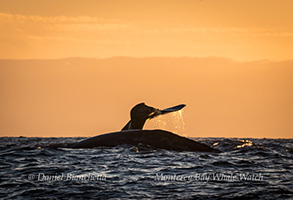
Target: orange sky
[(85, 97), (235, 77), (242, 29)]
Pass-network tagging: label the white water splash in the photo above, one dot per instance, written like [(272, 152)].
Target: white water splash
[(172, 122)]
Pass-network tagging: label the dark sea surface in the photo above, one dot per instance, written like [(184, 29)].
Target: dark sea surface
[(42, 168)]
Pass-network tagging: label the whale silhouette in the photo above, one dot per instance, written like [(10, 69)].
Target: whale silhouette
[(133, 134)]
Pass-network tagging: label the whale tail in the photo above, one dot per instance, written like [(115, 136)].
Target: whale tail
[(141, 112)]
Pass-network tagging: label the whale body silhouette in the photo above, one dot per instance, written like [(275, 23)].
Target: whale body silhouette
[(132, 134)]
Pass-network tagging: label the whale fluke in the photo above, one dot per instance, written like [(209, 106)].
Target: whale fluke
[(141, 112)]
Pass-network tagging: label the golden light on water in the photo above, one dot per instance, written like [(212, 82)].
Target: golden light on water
[(245, 143)]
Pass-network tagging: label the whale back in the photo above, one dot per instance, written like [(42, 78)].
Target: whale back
[(157, 139)]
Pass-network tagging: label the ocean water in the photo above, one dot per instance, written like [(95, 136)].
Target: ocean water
[(43, 168)]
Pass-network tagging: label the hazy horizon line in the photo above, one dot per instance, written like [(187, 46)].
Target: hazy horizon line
[(150, 57), (148, 129)]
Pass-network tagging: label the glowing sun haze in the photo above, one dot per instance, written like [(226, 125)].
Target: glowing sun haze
[(230, 61)]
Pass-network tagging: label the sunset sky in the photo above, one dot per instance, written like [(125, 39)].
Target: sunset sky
[(242, 29), (76, 67)]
